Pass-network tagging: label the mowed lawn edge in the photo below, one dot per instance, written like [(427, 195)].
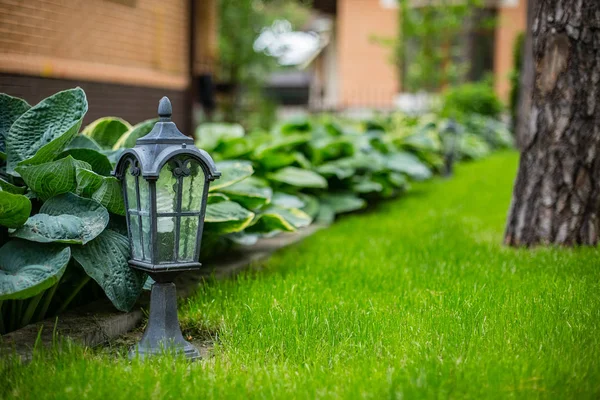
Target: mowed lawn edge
[(416, 298)]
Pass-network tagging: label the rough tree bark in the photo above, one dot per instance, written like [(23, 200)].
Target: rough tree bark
[(556, 197), (526, 80)]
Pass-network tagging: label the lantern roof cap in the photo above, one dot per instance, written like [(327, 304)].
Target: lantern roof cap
[(162, 143), (165, 131)]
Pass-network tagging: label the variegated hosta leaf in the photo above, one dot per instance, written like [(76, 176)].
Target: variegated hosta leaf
[(232, 171), (52, 178), (298, 177), (364, 184), (285, 200), (106, 131), (331, 169), (44, 130), (311, 204), (279, 219), (216, 198), (14, 209), (27, 269), (137, 131), (66, 218), (226, 217), (105, 260), (343, 202), (106, 190), (11, 108), (99, 162), (408, 164), (250, 193)]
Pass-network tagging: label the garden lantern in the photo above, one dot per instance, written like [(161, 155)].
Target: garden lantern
[(165, 181), (449, 136)]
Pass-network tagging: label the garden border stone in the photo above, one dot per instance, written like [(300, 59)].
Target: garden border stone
[(99, 322)]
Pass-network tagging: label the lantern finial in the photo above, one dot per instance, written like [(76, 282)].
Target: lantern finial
[(165, 109)]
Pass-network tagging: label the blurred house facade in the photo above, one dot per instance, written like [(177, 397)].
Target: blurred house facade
[(354, 71), (126, 54)]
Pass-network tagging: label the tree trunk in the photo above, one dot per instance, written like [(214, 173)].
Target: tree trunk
[(526, 80), (556, 197)]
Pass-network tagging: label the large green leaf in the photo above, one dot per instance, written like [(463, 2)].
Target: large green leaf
[(330, 148), (10, 188), (87, 181), (279, 219), (14, 209), (364, 184), (285, 200), (311, 204), (210, 135), (66, 218), (27, 269), (52, 178), (226, 217), (45, 129), (250, 193), (298, 177), (137, 131), (106, 190), (336, 169), (106, 131), (83, 142), (232, 171), (343, 202), (216, 198), (408, 164), (105, 260), (99, 162), (280, 143), (11, 108), (110, 195)]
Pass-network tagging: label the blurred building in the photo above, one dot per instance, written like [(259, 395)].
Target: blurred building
[(353, 71), (125, 54)]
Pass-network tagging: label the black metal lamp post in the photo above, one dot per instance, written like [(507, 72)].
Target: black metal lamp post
[(165, 181), (450, 145)]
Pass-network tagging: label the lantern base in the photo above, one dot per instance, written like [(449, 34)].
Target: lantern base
[(163, 333)]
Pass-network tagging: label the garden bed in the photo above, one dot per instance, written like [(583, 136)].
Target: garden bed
[(98, 322)]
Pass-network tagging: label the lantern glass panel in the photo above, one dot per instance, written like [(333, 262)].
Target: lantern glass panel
[(165, 227), (146, 238), (188, 238), (131, 188), (166, 189), (193, 187), (144, 194), (134, 228)]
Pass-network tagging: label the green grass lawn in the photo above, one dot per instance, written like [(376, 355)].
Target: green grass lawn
[(414, 299)]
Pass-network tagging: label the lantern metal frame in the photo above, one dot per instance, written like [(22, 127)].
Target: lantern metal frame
[(163, 144), (450, 136)]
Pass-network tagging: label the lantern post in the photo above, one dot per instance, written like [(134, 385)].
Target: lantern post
[(165, 181)]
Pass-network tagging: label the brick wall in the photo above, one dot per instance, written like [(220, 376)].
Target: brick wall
[(141, 42), (367, 77), (512, 20)]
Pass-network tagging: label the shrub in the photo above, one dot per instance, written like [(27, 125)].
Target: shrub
[(471, 98)]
